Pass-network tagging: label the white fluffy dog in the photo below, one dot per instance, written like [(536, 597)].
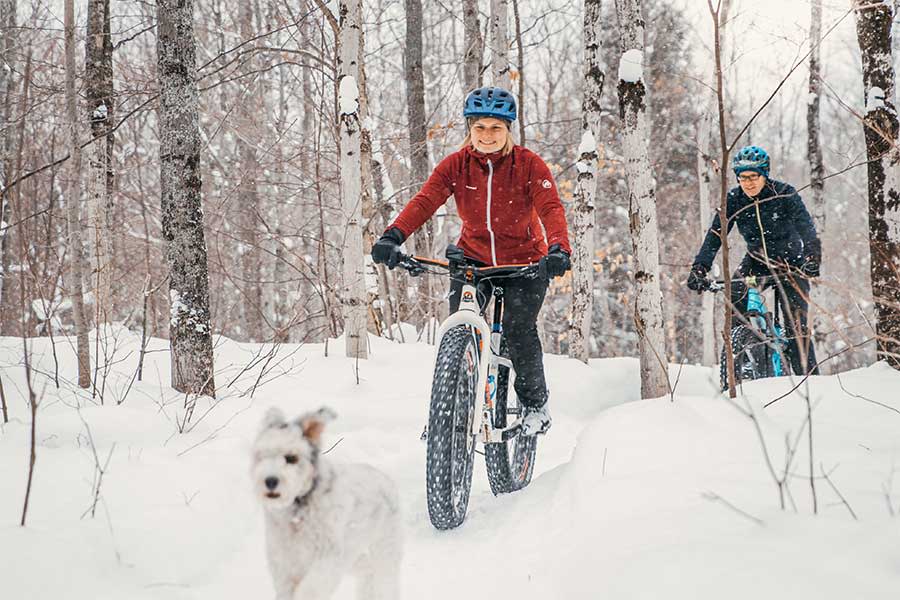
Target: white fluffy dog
[(324, 520)]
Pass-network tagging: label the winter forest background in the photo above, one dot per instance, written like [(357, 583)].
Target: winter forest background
[(270, 164)]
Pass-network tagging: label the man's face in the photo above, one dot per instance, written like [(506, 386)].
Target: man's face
[(752, 183), (489, 134)]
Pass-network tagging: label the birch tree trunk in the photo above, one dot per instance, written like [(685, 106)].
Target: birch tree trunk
[(873, 28), (100, 109), (585, 188), (180, 187), (353, 295), (500, 44), (7, 43), (474, 46), (632, 93), (73, 201)]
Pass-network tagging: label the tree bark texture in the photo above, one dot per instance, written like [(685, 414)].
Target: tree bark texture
[(248, 109), (7, 42), (813, 119), (500, 43), (873, 27), (583, 210), (182, 212), (474, 46), (100, 111), (632, 94), (353, 295), (73, 202)]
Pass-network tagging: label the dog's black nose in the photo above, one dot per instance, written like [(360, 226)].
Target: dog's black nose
[(271, 482)]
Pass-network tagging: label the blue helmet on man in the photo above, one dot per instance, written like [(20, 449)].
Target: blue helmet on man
[(751, 158), (490, 102)]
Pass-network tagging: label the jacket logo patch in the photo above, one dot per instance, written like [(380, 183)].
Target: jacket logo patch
[(546, 184)]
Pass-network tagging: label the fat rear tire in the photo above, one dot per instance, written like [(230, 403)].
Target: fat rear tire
[(510, 463)]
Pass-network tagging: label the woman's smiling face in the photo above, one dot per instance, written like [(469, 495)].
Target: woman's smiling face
[(489, 134)]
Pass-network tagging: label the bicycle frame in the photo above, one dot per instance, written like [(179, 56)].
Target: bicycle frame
[(469, 314)]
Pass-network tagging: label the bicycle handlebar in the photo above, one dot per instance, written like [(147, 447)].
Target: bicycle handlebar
[(416, 265), (753, 281)]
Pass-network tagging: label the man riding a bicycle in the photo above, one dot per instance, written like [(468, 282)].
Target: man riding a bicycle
[(781, 243), (504, 193)]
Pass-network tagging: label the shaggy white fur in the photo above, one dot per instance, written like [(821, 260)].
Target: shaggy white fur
[(322, 520)]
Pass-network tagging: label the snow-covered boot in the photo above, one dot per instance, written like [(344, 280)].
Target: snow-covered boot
[(536, 421)]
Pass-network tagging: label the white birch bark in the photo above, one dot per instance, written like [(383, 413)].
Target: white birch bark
[(73, 200), (99, 92), (7, 28), (190, 332), (813, 119), (583, 211), (704, 177), (500, 43), (632, 93), (353, 296), (873, 26)]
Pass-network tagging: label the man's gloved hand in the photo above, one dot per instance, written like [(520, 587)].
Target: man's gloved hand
[(557, 262), (386, 250), (697, 279), (811, 267)]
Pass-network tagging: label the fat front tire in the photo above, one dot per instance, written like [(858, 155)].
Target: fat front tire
[(451, 445), (510, 463), (751, 356)]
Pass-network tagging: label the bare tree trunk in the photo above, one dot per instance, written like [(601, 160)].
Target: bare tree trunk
[(418, 138), (353, 295), (585, 188), (813, 120), (180, 188), (648, 316), (873, 28), (474, 46), (707, 317), (7, 67), (248, 192), (723, 195), (500, 43), (100, 97), (520, 71), (73, 200)]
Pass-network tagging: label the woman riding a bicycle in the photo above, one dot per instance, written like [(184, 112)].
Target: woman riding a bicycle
[(503, 193)]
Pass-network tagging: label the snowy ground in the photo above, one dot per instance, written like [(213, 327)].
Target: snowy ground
[(630, 499)]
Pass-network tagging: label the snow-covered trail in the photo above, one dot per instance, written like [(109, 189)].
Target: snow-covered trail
[(630, 499)]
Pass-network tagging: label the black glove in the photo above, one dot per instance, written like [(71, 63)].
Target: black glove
[(811, 267), (697, 279), (557, 262), (386, 250)]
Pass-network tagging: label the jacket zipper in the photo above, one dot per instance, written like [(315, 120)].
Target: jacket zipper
[(490, 231)]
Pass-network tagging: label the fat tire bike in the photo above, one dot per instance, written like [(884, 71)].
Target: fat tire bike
[(757, 336), (470, 395)]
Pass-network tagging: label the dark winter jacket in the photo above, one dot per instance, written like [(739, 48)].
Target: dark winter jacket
[(787, 229), (502, 201)]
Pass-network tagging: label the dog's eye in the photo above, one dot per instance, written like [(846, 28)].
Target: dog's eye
[(290, 459)]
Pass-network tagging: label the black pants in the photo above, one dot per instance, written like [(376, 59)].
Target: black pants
[(793, 292), (522, 300)]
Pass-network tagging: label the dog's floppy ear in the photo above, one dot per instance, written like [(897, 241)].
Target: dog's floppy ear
[(274, 418), (313, 423)]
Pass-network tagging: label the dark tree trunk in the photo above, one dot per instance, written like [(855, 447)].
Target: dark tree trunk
[(182, 213), (873, 27)]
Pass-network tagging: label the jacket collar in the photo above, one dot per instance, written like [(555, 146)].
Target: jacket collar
[(482, 159)]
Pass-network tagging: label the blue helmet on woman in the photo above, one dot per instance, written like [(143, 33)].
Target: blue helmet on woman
[(490, 102), (751, 158)]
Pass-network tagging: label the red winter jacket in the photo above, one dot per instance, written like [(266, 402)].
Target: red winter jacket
[(502, 201)]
